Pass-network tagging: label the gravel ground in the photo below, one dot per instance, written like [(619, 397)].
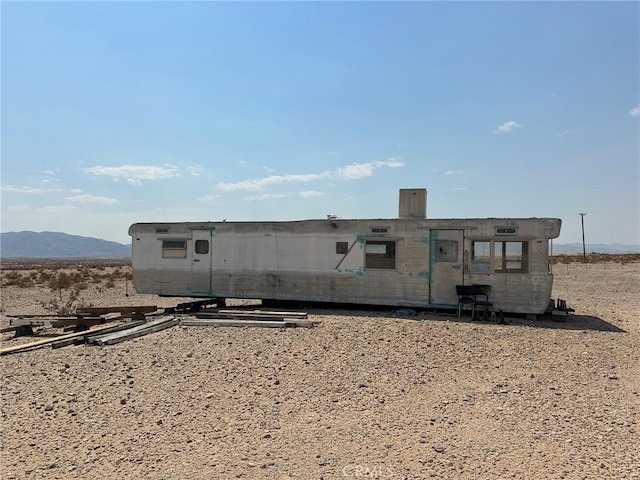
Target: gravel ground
[(364, 395)]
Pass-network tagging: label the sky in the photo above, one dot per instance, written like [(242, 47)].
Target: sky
[(122, 112)]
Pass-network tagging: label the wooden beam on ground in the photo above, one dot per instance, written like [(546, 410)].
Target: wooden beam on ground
[(31, 322), (196, 305), (150, 327), (9, 329), (46, 341), (56, 321), (237, 316), (91, 333), (247, 323), (265, 312), (120, 310), (84, 322)]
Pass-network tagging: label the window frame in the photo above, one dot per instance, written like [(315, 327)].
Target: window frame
[(522, 257), (196, 246), (481, 263), (173, 251), (498, 257), (381, 261)]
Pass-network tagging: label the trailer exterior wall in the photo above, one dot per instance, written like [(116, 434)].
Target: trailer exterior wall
[(326, 260)]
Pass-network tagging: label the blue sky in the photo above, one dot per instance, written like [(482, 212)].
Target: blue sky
[(115, 113)]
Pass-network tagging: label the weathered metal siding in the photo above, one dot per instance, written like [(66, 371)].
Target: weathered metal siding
[(299, 260), (519, 292), (156, 275)]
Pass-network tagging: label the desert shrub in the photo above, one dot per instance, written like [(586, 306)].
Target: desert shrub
[(85, 272), (60, 281), (64, 280), (120, 273), (596, 258), (62, 306), (10, 278), (96, 277), (44, 277), (65, 306), (18, 279)]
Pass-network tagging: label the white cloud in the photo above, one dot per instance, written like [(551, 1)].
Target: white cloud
[(56, 209), (92, 199), (17, 189), (266, 196), (635, 111), (507, 127), (310, 193), (19, 208), (353, 171), (260, 183), (194, 171), (362, 170), (209, 198), (461, 173), (135, 174), (48, 176)]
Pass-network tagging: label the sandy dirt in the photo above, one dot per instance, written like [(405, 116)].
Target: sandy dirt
[(367, 394)]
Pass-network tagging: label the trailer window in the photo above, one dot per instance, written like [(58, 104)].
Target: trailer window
[(446, 251), (510, 257), (174, 249), (480, 257), (202, 247), (380, 254)]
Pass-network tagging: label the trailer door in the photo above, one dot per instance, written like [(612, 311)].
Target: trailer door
[(446, 249), (201, 262)]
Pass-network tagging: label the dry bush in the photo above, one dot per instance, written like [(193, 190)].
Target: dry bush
[(596, 258), (65, 307), (109, 277), (17, 279), (44, 277), (65, 281)]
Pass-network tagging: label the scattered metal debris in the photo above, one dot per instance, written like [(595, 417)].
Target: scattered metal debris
[(142, 320)]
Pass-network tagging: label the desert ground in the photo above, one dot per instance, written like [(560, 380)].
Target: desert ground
[(366, 394)]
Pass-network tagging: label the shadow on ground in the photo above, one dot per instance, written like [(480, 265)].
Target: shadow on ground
[(573, 322)]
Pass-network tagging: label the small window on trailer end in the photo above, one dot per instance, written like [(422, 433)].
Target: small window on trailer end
[(174, 249)]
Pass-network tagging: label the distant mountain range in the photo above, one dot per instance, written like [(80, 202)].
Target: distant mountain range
[(62, 245), (58, 245)]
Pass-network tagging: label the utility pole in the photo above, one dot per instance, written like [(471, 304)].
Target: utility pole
[(584, 250)]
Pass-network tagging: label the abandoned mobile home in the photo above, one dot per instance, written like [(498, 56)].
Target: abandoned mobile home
[(409, 261)]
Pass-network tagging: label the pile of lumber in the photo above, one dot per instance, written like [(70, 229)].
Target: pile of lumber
[(68, 339), (112, 334), (83, 319), (248, 318), (153, 326)]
